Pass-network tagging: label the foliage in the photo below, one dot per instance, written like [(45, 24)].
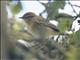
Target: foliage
[(18, 25), (15, 6), (75, 39), (53, 8), (73, 52), (64, 23)]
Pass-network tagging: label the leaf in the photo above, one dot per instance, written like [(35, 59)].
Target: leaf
[(64, 24), (76, 39), (18, 25), (15, 7), (73, 52), (53, 8)]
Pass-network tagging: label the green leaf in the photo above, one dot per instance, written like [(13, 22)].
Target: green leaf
[(76, 38), (64, 24), (73, 53), (15, 7), (53, 8)]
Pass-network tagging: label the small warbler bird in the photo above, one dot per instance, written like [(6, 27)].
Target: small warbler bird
[(38, 26)]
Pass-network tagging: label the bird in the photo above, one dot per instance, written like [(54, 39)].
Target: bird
[(38, 26)]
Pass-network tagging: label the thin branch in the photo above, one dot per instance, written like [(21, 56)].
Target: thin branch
[(77, 6), (58, 38), (72, 7), (78, 15), (46, 5)]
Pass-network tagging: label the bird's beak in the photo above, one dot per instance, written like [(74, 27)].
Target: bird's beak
[(21, 17)]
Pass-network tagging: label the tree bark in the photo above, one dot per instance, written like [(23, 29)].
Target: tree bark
[(4, 37)]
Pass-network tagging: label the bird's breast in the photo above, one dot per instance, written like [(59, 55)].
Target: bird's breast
[(37, 30), (40, 30)]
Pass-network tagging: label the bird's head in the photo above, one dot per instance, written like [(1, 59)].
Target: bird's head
[(28, 15)]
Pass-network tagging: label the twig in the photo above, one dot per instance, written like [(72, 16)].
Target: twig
[(76, 6), (45, 5), (78, 15), (72, 7)]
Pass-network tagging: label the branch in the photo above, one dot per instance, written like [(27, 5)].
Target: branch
[(72, 7), (46, 5), (77, 6), (78, 15)]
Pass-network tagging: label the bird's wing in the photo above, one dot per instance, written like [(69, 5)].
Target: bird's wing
[(47, 23), (51, 26)]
